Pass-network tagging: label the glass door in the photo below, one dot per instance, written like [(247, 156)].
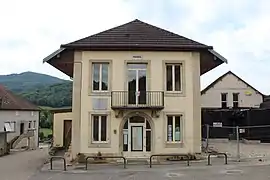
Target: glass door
[(137, 84), (136, 138)]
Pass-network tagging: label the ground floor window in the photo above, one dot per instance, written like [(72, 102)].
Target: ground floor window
[(29, 124), (9, 126), (174, 128), (99, 128)]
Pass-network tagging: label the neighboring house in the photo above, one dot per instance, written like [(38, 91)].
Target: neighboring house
[(136, 90), (19, 118), (230, 91), (266, 102)]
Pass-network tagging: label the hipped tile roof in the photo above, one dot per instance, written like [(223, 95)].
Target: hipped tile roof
[(134, 35)]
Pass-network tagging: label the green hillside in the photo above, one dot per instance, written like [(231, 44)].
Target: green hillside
[(41, 89), (57, 95), (26, 81)]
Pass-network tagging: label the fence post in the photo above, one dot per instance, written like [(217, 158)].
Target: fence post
[(238, 143), (207, 136)]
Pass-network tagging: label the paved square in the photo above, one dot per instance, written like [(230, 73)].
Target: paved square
[(219, 172), (26, 166)]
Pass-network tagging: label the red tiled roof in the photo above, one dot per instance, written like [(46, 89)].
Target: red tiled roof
[(10, 101), (136, 35)]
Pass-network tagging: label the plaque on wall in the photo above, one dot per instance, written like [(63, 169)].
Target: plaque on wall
[(100, 103)]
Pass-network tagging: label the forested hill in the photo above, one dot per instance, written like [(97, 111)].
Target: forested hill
[(41, 89)]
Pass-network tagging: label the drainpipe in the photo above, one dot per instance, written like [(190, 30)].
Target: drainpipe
[(1, 102)]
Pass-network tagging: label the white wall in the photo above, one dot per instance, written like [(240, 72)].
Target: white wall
[(19, 117), (231, 84)]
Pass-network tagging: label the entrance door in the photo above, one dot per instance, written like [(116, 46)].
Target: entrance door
[(137, 84), (67, 133), (137, 137), (21, 128)]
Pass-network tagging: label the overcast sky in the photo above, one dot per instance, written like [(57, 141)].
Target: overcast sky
[(238, 29)]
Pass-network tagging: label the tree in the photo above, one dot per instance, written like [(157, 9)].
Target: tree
[(46, 119)]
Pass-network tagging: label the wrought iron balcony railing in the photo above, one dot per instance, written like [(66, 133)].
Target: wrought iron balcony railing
[(137, 100)]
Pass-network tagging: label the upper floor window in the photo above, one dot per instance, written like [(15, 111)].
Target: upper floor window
[(174, 128), (173, 77), (224, 100), (100, 76), (235, 100), (99, 128)]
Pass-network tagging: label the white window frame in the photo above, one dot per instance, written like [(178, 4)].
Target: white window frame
[(100, 76), (7, 127), (224, 101), (14, 126), (34, 124), (173, 128), (237, 99), (99, 128), (173, 77)]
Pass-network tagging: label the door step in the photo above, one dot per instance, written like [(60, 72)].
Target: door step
[(137, 160), (142, 160)]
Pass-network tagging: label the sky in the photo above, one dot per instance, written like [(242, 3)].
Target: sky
[(238, 29)]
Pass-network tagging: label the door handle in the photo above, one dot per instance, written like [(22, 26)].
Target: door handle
[(137, 93)]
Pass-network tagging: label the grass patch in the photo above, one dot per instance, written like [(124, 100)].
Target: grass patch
[(46, 131)]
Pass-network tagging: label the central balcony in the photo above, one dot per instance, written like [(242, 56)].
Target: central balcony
[(137, 100)]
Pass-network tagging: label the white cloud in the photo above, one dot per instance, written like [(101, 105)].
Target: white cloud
[(44, 25), (239, 30)]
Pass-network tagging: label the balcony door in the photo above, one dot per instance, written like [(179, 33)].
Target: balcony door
[(137, 84)]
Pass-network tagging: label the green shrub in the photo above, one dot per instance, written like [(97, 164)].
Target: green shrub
[(41, 135), (50, 136)]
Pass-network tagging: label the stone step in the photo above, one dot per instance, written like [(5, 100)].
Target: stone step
[(141, 160)]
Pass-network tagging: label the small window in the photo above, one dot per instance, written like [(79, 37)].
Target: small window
[(173, 77), (17, 113), (7, 127), (100, 76), (174, 128), (235, 100), (99, 128), (224, 100), (12, 125), (29, 124), (34, 124)]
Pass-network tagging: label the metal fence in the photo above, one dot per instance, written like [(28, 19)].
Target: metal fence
[(239, 142)]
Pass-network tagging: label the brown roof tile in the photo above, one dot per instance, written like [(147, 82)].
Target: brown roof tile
[(10, 101), (136, 35)]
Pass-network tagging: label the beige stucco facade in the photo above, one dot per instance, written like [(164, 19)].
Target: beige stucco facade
[(187, 103), (58, 127), (248, 96)]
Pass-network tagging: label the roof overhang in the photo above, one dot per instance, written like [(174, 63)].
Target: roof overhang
[(53, 55), (218, 56), (63, 58), (210, 59)]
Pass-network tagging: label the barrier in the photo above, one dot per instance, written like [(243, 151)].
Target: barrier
[(122, 157), (159, 155), (225, 157), (59, 157)]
